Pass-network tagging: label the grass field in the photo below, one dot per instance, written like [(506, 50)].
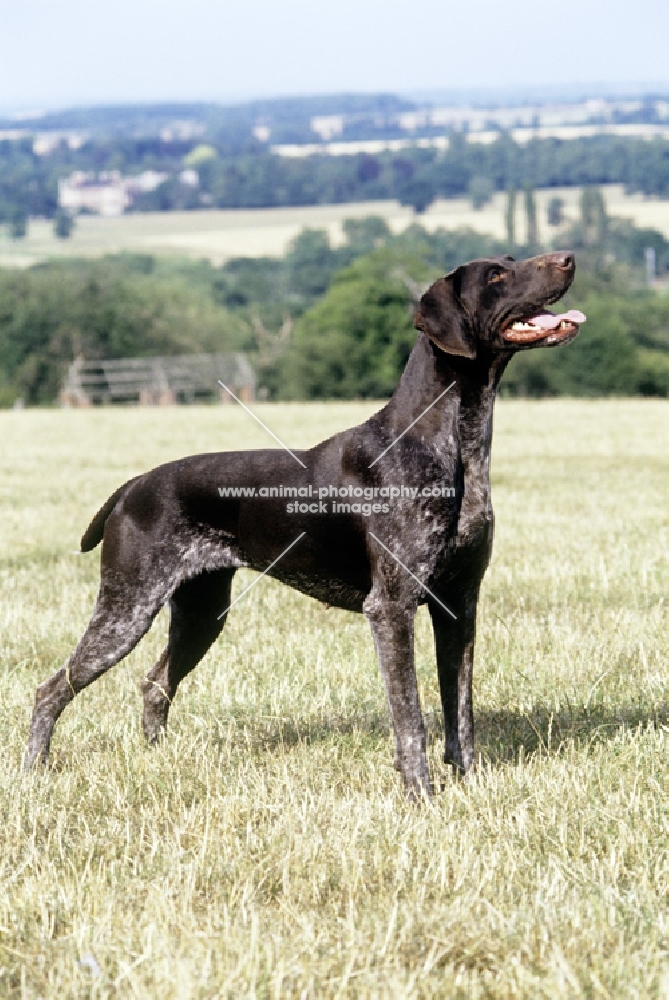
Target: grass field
[(219, 235), (265, 849)]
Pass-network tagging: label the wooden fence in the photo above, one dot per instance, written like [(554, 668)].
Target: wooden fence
[(186, 378)]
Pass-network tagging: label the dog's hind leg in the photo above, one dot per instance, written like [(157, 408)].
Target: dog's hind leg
[(123, 613), (195, 608)]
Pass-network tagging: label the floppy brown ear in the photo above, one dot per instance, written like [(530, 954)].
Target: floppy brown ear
[(443, 318)]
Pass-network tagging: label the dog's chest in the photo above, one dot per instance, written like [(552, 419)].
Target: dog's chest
[(475, 520), (455, 536), (476, 515)]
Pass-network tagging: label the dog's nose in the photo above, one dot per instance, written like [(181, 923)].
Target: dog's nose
[(565, 261)]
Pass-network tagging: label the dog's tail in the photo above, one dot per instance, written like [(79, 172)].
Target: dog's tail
[(95, 530)]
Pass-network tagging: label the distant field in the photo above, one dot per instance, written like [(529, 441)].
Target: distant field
[(219, 235), (264, 849)]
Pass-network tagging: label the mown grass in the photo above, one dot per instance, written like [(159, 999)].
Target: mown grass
[(265, 848), (220, 234)]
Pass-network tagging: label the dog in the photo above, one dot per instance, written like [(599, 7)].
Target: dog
[(402, 517)]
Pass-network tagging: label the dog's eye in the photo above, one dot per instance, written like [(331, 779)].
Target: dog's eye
[(496, 275)]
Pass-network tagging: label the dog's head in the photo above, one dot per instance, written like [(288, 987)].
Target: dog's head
[(500, 304)]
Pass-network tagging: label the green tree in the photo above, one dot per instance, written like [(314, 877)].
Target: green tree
[(356, 340), (555, 211), (480, 191), (418, 192), (531, 218), (365, 235), (63, 224), (593, 216), (18, 223), (311, 262), (510, 217)]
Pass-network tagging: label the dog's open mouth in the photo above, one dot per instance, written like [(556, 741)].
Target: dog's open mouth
[(547, 326)]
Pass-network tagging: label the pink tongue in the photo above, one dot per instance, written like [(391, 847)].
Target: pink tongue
[(549, 321)]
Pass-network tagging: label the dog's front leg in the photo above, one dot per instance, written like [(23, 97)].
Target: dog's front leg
[(454, 642), (392, 624)]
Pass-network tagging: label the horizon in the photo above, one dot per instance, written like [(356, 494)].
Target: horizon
[(481, 97)]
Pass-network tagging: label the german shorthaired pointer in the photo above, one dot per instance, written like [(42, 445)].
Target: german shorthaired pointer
[(416, 525)]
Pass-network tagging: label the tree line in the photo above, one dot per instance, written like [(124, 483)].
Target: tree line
[(246, 174), (330, 322)]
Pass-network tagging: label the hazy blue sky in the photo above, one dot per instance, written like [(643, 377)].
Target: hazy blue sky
[(59, 52)]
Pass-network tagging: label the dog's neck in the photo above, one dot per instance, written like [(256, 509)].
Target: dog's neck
[(464, 411)]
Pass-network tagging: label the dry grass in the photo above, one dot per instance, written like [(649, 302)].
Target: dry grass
[(220, 235), (265, 849)]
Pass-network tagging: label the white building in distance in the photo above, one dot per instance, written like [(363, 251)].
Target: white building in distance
[(106, 193)]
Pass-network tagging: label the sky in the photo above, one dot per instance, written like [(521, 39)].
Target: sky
[(58, 53)]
